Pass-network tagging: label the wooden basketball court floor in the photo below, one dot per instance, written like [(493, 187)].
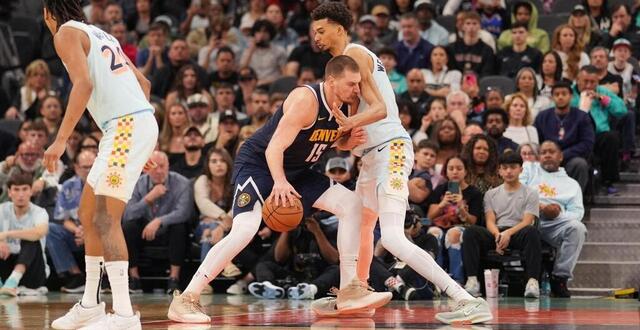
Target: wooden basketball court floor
[(236, 312)]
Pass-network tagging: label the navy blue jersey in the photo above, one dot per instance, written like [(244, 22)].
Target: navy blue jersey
[(308, 146)]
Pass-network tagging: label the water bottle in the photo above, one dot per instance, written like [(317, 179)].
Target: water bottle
[(545, 287)]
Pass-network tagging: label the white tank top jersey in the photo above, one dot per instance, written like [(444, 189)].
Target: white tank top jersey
[(390, 127), (116, 91)]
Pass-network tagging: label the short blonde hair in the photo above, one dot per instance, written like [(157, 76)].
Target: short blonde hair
[(526, 121)]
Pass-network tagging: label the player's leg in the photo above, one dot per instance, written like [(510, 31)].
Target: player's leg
[(365, 189), (247, 203)]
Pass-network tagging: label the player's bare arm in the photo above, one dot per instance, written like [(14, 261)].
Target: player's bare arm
[(377, 109), (292, 122), (72, 46)]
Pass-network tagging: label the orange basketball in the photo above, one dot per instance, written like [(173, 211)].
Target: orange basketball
[(282, 218)]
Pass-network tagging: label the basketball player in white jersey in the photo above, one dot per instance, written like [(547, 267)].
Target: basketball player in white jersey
[(387, 160), (116, 95)]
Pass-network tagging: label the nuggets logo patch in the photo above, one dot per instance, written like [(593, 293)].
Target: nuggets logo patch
[(396, 183), (114, 180), (244, 199)]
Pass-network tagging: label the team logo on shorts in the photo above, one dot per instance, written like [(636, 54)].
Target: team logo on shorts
[(244, 199), (114, 180), (396, 183)]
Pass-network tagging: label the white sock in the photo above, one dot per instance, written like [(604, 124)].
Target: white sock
[(242, 232), (93, 269), (13, 280), (118, 272), (346, 205), (394, 240)]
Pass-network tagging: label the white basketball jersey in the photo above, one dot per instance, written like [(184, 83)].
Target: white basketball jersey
[(116, 91), (390, 127)]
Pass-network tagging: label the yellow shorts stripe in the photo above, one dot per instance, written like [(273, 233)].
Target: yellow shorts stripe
[(397, 157), (121, 142)]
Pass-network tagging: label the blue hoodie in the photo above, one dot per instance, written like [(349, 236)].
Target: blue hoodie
[(557, 188)]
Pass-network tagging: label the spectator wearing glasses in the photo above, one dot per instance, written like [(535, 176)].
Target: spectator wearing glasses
[(66, 235), (190, 163), (248, 81)]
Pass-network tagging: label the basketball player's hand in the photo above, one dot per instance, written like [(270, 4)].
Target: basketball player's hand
[(346, 124), (150, 230), (52, 155), (283, 193), (357, 137)]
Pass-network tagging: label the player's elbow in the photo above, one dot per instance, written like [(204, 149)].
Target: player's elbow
[(380, 111)]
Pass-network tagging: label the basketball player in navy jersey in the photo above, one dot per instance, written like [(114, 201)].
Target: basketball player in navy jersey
[(387, 160), (275, 161)]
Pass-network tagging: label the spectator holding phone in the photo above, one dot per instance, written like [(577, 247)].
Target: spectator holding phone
[(452, 206)]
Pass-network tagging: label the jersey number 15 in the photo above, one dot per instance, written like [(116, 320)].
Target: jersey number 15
[(119, 62)]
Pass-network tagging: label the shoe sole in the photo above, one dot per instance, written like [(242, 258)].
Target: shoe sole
[(76, 290), (371, 305), (269, 293), (177, 318), (361, 313), (478, 318)]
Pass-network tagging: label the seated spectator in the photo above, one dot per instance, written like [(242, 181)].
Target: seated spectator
[(309, 255), (191, 163), (520, 55), (213, 193), (51, 112), (416, 94), (470, 53), (201, 115), (599, 57), (470, 131), (471, 87), (440, 79), (526, 84), (119, 31), (112, 13), (448, 136), (561, 212), (529, 152), (248, 82), (66, 234), (458, 106), (258, 109), (225, 69), (138, 21), (206, 43), (285, 36), (307, 55), (225, 99), (600, 103), (510, 210), (452, 206), (23, 230), (525, 12), (158, 213), (164, 77), (266, 58), (495, 17), (520, 129), (337, 169), (38, 134), (228, 132), (176, 121), (307, 77), (481, 159), (588, 33), (572, 130), (430, 30), (495, 123), (436, 111), (493, 99), (28, 160), (423, 178), (196, 17), (622, 27), (550, 73), (366, 34), (155, 56), (187, 83), (412, 50), (255, 13), (565, 42), (37, 85), (485, 36)]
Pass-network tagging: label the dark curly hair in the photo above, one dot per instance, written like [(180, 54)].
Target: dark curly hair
[(65, 10), (334, 11), (489, 177)]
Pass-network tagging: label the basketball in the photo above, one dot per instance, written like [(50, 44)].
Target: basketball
[(282, 218)]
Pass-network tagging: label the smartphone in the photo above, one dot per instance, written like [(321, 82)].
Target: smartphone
[(471, 79), (453, 187)]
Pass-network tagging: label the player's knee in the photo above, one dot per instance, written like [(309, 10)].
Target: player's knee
[(453, 239), (435, 231), (394, 240)]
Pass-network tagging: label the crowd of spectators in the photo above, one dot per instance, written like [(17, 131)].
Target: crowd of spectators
[(498, 167)]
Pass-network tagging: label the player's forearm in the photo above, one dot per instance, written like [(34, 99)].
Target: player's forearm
[(281, 252), (275, 161), (376, 111), (33, 234), (526, 222), (78, 99)]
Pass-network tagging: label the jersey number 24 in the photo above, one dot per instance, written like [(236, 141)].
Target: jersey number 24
[(118, 61)]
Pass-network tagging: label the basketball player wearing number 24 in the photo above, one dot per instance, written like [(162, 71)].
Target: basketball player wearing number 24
[(116, 95), (275, 162), (387, 160)]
